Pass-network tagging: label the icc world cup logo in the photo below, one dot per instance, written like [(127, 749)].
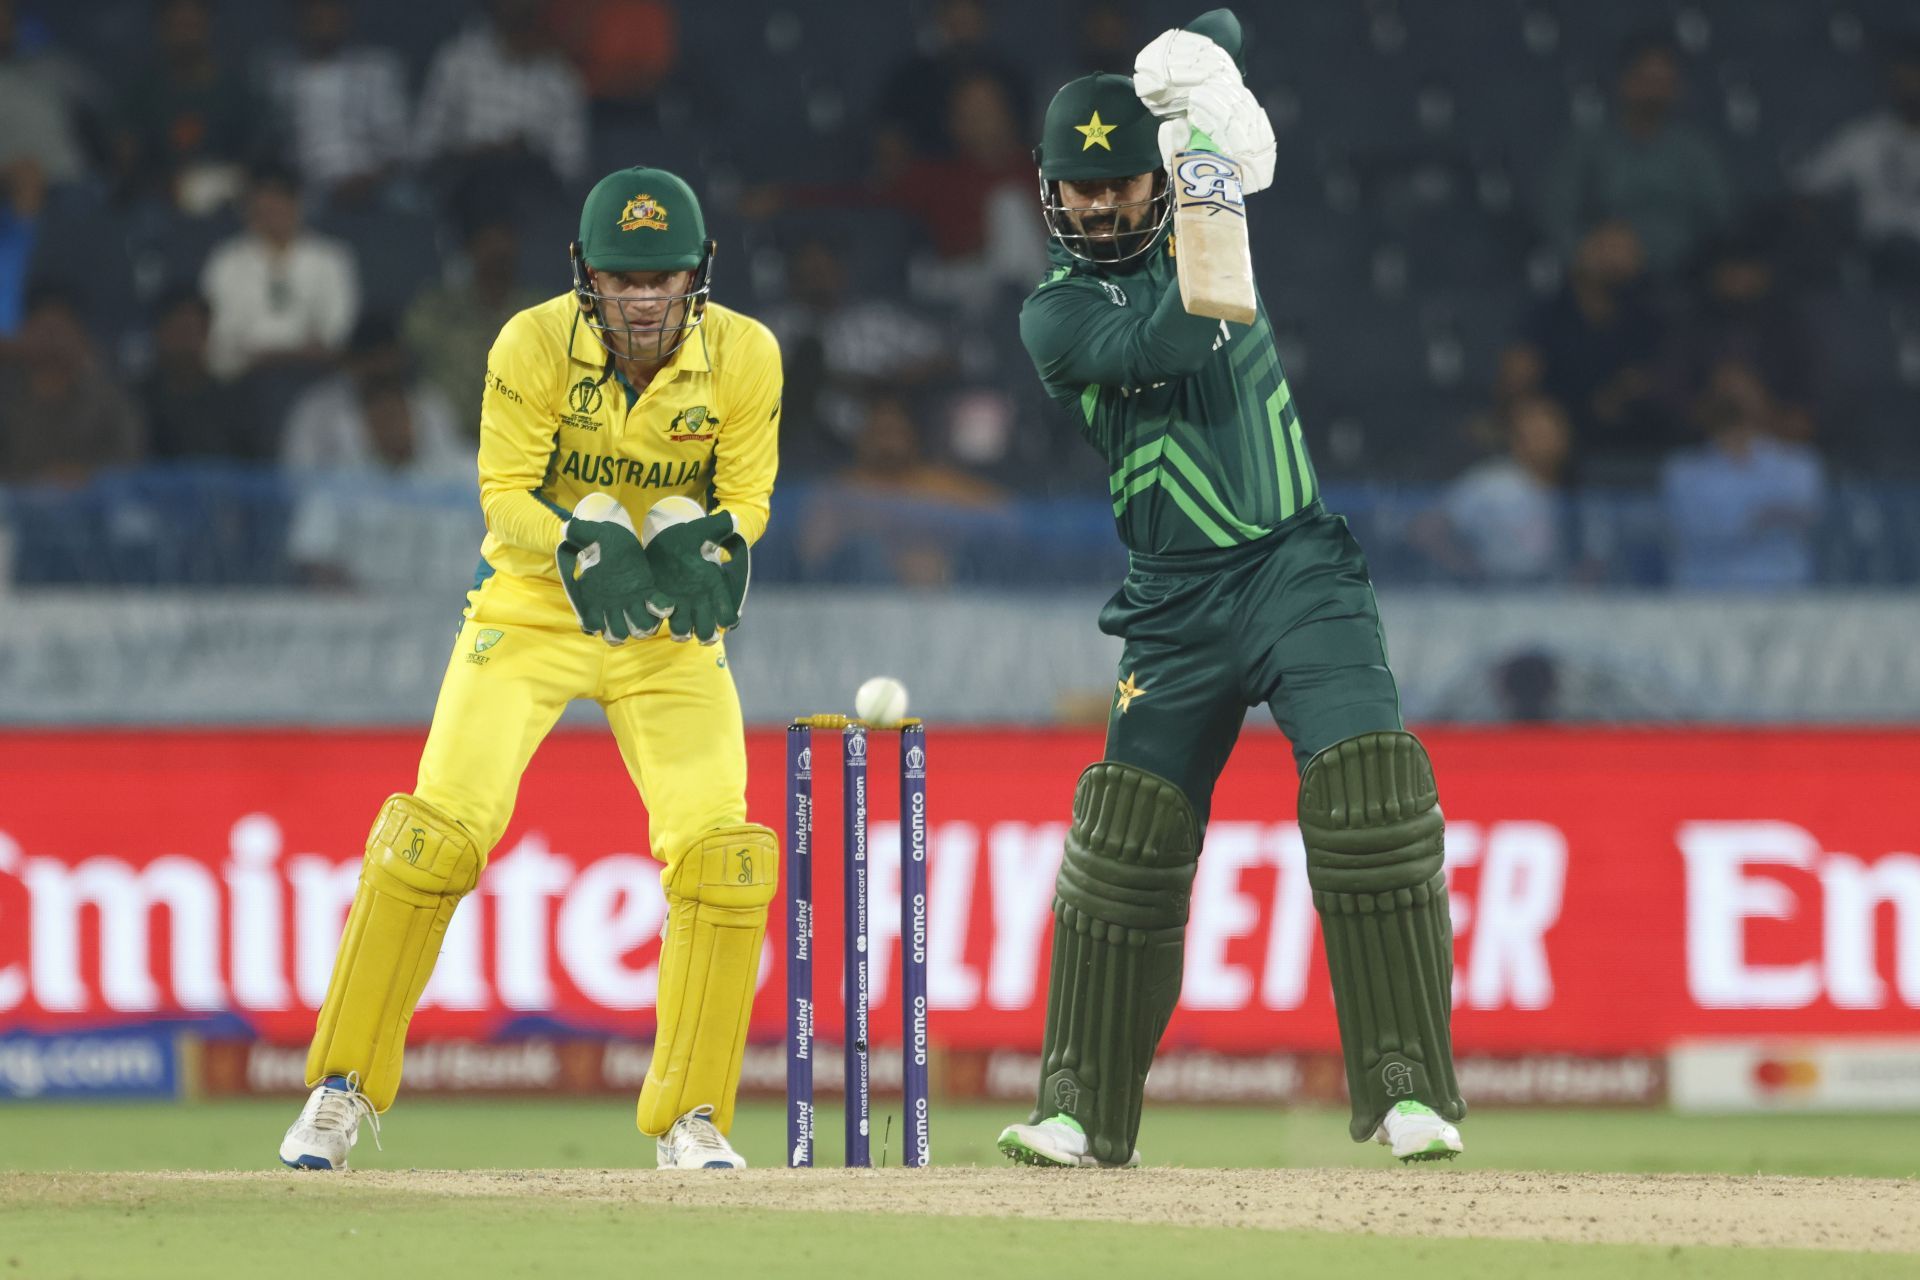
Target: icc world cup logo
[(916, 759), (857, 746)]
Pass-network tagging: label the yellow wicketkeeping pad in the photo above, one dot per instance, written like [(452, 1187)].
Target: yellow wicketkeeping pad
[(717, 895), (419, 864)]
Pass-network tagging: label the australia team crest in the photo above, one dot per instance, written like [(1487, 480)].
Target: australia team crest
[(643, 211)]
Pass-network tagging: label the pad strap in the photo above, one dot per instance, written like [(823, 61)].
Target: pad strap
[(1370, 819)]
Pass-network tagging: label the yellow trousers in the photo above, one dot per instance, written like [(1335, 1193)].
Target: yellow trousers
[(676, 717), (517, 664)]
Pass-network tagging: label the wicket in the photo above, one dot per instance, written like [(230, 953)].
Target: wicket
[(913, 938)]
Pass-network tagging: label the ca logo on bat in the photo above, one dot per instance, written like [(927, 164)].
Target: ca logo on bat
[(1208, 177)]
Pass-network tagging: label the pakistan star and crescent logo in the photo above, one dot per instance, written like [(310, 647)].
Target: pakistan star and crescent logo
[(1128, 692), (1095, 133)]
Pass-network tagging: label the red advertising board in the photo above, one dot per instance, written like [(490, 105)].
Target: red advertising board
[(1613, 891)]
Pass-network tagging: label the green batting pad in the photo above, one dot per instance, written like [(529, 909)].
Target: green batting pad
[(1370, 819), (1120, 925)]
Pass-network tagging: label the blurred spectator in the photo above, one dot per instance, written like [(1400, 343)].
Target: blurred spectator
[(450, 327), (837, 349), (625, 49), (334, 425), (190, 413), (189, 123), (23, 194), (1875, 161), (861, 527), (502, 102), (342, 105), (1528, 687), (1595, 346), (1663, 178), (1743, 314), (1741, 510), (281, 295), (912, 117), (1504, 520), (47, 103), (888, 461), (61, 416), (976, 203), (979, 204), (390, 481)]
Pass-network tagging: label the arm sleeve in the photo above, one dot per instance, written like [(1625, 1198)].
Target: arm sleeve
[(746, 453), (517, 435), (1078, 338)]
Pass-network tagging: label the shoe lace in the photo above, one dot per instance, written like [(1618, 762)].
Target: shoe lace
[(696, 1130), (343, 1109)]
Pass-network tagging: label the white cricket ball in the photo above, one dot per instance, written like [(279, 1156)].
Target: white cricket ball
[(882, 701), (603, 507)]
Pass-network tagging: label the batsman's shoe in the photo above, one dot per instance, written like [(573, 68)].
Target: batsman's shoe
[(1057, 1142), (1415, 1132), (328, 1126), (694, 1143)]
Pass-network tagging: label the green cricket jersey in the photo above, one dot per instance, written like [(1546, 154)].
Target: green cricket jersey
[(1193, 415)]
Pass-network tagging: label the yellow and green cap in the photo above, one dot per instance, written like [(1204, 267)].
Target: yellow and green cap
[(642, 219)]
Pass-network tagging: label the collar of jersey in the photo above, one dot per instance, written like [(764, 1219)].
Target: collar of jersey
[(584, 348)]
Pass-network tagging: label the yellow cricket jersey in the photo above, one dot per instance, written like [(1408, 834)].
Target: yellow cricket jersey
[(556, 425)]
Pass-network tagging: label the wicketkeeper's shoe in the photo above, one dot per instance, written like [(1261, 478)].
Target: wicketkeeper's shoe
[(1416, 1132), (694, 1143), (328, 1126), (1057, 1142)]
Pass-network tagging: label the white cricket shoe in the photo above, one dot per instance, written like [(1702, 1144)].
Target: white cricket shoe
[(694, 1143), (329, 1125), (1057, 1141), (1416, 1132)]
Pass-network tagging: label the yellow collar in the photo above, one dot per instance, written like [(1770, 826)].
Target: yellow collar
[(585, 347)]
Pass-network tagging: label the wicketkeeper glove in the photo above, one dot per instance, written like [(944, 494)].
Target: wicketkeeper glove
[(610, 582), (1232, 122), (704, 566)]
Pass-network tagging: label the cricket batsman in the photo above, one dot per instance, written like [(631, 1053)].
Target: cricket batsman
[(1242, 589), (633, 385)]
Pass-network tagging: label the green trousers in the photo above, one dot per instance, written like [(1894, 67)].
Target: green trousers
[(1289, 621)]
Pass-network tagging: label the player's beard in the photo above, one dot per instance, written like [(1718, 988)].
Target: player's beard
[(1112, 234)]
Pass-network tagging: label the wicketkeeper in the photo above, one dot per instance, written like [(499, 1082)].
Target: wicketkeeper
[(1242, 589), (631, 384)]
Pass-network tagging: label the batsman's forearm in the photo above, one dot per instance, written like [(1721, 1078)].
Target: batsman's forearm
[(520, 519), (1168, 344), (1082, 340)]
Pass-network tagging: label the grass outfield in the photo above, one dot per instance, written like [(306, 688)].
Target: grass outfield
[(93, 1222), (599, 1134)]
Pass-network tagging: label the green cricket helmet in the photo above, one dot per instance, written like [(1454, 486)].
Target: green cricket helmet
[(642, 219), (1097, 128)]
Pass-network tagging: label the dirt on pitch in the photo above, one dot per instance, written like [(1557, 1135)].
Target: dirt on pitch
[(1666, 1209)]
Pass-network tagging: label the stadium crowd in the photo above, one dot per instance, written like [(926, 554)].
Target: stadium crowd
[(1662, 315)]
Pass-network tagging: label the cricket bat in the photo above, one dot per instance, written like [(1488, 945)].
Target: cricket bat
[(1211, 256)]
